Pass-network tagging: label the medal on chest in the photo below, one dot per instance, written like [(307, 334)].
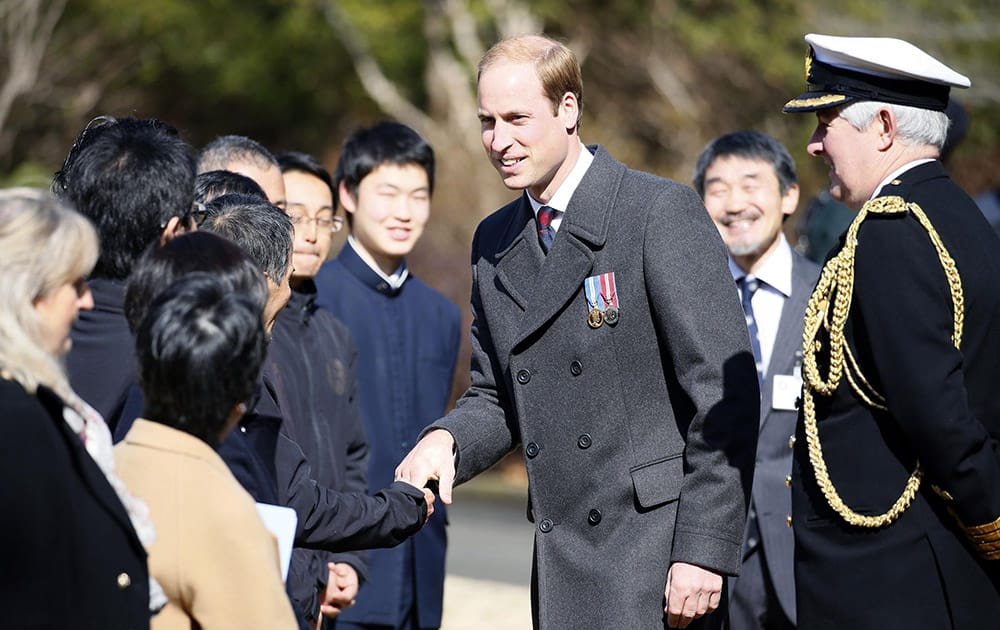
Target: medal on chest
[(602, 300)]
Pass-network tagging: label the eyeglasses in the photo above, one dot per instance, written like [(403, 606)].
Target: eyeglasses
[(334, 224), (198, 213), (193, 218)]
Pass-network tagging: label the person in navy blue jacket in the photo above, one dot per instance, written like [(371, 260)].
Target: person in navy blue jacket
[(407, 336), (134, 179)]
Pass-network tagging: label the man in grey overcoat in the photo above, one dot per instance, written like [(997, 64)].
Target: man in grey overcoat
[(748, 182), (609, 342)]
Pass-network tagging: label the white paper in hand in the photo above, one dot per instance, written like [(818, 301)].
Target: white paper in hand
[(280, 521)]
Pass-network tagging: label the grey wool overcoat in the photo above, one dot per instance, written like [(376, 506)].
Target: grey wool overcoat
[(638, 437)]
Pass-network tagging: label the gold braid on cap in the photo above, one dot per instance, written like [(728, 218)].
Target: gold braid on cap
[(828, 308)]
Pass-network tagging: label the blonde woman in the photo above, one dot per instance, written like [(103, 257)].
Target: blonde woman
[(73, 538)]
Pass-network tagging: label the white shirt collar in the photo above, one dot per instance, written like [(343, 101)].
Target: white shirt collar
[(896, 173), (395, 280), (775, 271), (560, 200)]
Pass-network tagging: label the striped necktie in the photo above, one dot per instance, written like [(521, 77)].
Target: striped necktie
[(748, 286), (546, 233)]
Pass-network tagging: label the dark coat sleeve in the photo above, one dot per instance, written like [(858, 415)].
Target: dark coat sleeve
[(337, 521), (483, 423), (356, 464), (703, 325)]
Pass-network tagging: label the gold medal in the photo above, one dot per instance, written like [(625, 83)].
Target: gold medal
[(595, 318)]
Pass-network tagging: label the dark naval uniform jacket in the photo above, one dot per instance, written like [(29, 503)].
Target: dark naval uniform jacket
[(943, 411), (639, 436)]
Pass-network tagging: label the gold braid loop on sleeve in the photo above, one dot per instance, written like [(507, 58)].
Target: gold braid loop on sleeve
[(827, 310)]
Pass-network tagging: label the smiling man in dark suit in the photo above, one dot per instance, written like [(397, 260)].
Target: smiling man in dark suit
[(608, 340), (748, 182), (896, 476)]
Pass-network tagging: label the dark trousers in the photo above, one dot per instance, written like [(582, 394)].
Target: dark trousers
[(753, 604)]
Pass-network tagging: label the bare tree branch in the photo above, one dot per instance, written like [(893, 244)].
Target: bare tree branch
[(26, 34), (513, 18), (463, 28), (383, 91), (670, 86)]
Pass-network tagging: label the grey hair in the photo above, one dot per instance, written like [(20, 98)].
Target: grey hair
[(218, 154), (43, 245), (914, 126)]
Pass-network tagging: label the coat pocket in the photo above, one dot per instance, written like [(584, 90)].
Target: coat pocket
[(658, 481)]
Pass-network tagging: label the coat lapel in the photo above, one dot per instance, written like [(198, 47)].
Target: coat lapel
[(584, 230), (90, 473), (518, 264)]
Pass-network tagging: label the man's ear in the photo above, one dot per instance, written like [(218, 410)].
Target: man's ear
[(790, 200), (347, 200), (173, 229), (569, 111), (885, 123)]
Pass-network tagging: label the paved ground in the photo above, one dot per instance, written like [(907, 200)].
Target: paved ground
[(471, 604), (489, 557)]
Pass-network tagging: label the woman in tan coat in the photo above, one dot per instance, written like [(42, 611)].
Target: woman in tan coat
[(199, 351)]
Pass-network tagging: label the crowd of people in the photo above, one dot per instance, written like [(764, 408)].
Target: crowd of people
[(205, 422)]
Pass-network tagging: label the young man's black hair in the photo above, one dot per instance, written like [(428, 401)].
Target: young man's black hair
[(211, 185), (387, 142), (298, 161), (128, 176)]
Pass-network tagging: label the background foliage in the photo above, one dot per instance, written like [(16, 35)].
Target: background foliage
[(662, 78)]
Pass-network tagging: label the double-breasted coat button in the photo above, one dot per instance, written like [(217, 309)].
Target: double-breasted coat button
[(594, 517), (531, 449), (788, 481), (791, 441), (124, 581), (576, 368), (545, 526), (788, 520), (584, 441), (523, 377)]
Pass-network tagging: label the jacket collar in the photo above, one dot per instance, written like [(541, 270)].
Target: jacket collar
[(542, 284), (904, 182), (302, 303), (163, 438), (368, 276)]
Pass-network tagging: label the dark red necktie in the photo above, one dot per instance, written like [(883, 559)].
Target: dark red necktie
[(546, 233)]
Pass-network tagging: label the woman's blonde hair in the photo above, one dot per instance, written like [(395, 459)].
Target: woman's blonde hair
[(43, 245)]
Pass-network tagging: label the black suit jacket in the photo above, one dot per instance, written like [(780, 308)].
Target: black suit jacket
[(71, 557), (917, 572), (771, 498)]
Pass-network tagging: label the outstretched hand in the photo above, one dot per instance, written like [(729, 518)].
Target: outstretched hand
[(432, 459)]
